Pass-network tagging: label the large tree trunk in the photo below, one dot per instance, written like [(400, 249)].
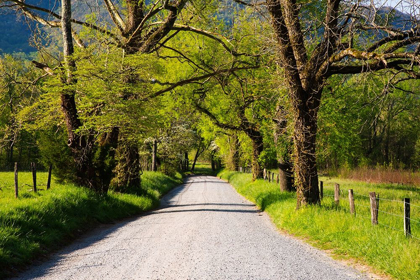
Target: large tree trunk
[(305, 129), (81, 146), (234, 156), (285, 175), (257, 149), (93, 161)]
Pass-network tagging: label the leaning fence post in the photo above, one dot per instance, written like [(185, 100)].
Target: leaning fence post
[(49, 177), (33, 167), (351, 199), (16, 181), (321, 189), (407, 225), (374, 206), (337, 194)]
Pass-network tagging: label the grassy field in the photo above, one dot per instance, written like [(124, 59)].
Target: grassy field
[(383, 247), (38, 223), (202, 168)]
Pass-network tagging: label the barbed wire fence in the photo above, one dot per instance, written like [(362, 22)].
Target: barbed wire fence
[(396, 215)]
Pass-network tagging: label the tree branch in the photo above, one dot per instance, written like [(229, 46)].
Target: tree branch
[(369, 66), (173, 86), (209, 35), (115, 16), (215, 120)]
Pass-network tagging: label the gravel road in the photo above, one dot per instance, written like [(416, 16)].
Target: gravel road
[(204, 230)]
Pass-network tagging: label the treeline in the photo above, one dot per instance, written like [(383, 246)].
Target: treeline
[(319, 85)]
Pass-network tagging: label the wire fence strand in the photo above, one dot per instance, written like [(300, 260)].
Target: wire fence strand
[(392, 214), (392, 200), (361, 198)]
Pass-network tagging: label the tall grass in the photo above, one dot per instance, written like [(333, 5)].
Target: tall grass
[(332, 227), (382, 175), (37, 223)]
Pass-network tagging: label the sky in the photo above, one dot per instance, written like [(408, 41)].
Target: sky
[(402, 5)]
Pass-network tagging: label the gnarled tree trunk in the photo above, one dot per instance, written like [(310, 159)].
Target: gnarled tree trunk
[(304, 137)]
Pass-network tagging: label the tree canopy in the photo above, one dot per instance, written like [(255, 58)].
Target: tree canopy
[(294, 85)]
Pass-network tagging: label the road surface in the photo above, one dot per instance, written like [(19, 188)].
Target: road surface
[(203, 230)]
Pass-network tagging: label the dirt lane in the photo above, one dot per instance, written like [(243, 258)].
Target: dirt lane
[(204, 230)]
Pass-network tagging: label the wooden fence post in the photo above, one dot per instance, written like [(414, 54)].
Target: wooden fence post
[(269, 176), (337, 194), (264, 174), (374, 207), (33, 167), (321, 189), (49, 177), (16, 181), (272, 177), (278, 178), (407, 224), (351, 200)]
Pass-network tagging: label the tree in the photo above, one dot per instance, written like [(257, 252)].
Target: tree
[(18, 89), (336, 29), (144, 29)]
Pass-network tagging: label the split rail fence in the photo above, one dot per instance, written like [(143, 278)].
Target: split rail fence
[(366, 206)]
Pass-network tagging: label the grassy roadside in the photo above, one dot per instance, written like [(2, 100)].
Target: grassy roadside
[(333, 228), (38, 223)]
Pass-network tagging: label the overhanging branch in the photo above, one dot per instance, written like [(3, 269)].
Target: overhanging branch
[(173, 86)]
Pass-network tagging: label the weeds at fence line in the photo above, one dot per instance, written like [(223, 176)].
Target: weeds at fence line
[(356, 200)]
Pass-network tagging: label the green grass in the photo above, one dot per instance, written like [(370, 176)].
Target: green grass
[(334, 228), (202, 169), (38, 223)]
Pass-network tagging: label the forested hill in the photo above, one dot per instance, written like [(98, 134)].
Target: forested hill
[(15, 32)]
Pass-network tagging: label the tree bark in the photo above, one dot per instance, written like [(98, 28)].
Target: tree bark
[(257, 149), (304, 90), (285, 175), (186, 162), (81, 146), (154, 155), (197, 154), (233, 157), (304, 137)]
